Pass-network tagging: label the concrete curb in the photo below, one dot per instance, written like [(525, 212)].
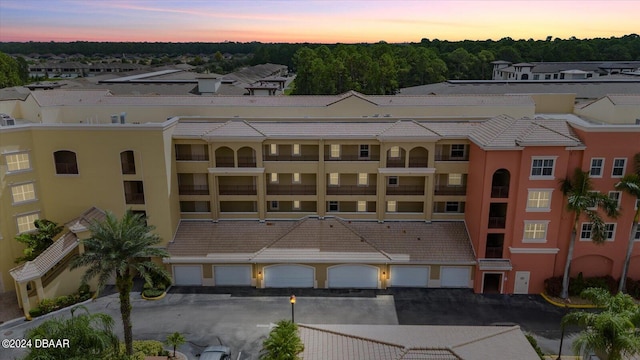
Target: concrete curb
[(160, 297), (570, 306)]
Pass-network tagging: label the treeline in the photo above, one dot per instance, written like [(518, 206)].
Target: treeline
[(13, 72)]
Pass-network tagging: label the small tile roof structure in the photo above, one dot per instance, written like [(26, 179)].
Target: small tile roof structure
[(414, 342), (314, 240), (60, 248)]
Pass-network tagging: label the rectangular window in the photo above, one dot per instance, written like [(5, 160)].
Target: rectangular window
[(597, 165), (542, 168), (457, 151), (394, 152), (335, 151), (17, 162), (362, 206), (364, 152), (333, 206), (22, 193), (392, 206), (618, 167), (274, 205), (363, 179), (535, 232), (539, 200), (610, 231), (393, 181), (637, 236), (452, 207), (455, 180), (296, 204), (26, 222), (334, 179), (273, 177), (585, 233), (273, 149), (296, 178), (295, 150), (615, 195)]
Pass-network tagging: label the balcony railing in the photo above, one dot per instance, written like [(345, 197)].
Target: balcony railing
[(497, 222), (291, 157), (193, 189), (224, 161), (372, 157), (405, 190), (237, 189), (448, 157), (450, 190), (493, 252), (395, 163), (501, 191), (66, 168), (246, 161), (191, 157), (134, 198), (291, 189), (418, 162), (351, 190)]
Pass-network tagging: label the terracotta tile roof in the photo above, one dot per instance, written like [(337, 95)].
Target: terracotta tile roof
[(414, 342), (234, 129), (331, 239), (406, 129)]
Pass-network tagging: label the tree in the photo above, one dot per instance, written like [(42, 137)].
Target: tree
[(630, 184), (38, 241), (122, 247), (283, 343), (581, 199), (176, 339), (613, 333), (89, 335)]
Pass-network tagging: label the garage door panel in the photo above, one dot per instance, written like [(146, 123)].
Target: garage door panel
[(409, 276), (232, 275), (187, 274), (457, 277), (284, 276), (353, 276)]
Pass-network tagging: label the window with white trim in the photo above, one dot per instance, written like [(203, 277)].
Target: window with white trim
[(393, 181), (334, 179), (273, 178), (542, 168), (363, 179), (394, 152), (597, 167), (273, 149), (457, 151), (17, 161), (615, 195), (364, 152), (295, 150), (362, 206), (619, 165), (26, 222), (454, 180), (333, 206), (296, 204), (334, 152), (609, 231), (296, 178), (535, 231), (392, 206), (539, 200), (23, 193), (586, 231)]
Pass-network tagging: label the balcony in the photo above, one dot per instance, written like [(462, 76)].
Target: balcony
[(450, 190), (351, 190), (448, 157), (237, 189), (405, 190), (291, 189), (500, 191), (418, 162), (193, 189), (493, 252), (354, 157), (497, 222), (246, 161), (66, 168), (290, 157), (395, 163), (134, 198), (225, 161)]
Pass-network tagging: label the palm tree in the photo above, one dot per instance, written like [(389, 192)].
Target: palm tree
[(581, 199), (613, 333), (176, 339), (631, 184), (122, 246)]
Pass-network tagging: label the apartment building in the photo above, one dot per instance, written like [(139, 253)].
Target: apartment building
[(347, 191)]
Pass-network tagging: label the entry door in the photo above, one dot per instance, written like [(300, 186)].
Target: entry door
[(522, 282)]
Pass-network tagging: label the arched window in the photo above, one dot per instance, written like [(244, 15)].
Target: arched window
[(66, 162), (500, 184)]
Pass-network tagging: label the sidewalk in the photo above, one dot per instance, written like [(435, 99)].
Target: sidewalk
[(9, 309)]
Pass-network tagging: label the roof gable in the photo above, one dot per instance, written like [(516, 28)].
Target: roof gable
[(407, 129), (234, 130)]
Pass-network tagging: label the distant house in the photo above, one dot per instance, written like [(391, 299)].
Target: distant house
[(555, 71)]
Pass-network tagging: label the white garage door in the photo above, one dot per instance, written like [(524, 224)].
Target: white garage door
[(232, 275), (409, 276), (187, 274), (455, 277), (284, 276), (353, 276)]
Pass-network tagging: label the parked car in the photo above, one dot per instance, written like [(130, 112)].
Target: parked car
[(216, 353)]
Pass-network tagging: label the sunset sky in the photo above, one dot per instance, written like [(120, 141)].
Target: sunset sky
[(327, 21)]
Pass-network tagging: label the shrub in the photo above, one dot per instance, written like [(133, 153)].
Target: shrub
[(633, 288), (553, 286), (534, 344), (151, 293), (84, 289), (603, 282), (577, 285), (35, 312)]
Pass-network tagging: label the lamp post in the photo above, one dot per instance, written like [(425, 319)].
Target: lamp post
[(566, 311), (292, 300)]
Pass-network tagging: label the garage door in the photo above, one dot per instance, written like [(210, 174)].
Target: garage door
[(187, 274), (455, 277), (232, 275), (284, 276), (409, 276), (353, 276)]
